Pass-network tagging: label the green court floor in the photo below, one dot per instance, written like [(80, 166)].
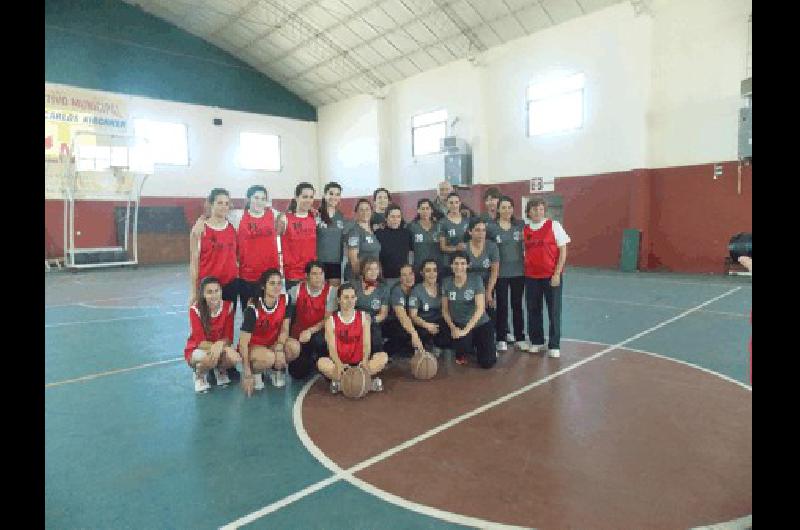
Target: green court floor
[(128, 444)]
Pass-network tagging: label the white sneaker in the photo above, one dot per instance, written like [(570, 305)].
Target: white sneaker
[(510, 338), (536, 348), (201, 386), (335, 387), (258, 382), (502, 346), (278, 378), (554, 353), (377, 384), (222, 377)]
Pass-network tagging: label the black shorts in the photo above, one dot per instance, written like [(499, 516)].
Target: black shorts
[(248, 290), (333, 271)]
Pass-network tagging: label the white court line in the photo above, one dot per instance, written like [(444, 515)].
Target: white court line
[(643, 304), (345, 474), (101, 320), (656, 280), (111, 372)]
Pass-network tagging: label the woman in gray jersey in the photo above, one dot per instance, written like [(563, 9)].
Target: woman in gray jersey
[(330, 233), (507, 232), (372, 297), (425, 309), (360, 241), (424, 236), (463, 309), (452, 229)]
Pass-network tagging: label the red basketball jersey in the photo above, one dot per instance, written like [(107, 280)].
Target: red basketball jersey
[(349, 338), (258, 245), (309, 310), (221, 328), (218, 255), (268, 323), (299, 245), (541, 251)]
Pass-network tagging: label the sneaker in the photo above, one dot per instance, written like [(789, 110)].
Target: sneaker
[(536, 348), (258, 382), (221, 377), (377, 384), (201, 386), (335, 387), (278, 378), (510, 338), (502, 346), (556, 353), (462, 360)]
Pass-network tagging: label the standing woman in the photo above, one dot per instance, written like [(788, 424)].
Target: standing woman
[(425, 309), (463, 309), (213, 251), (330, 233), (424, 236), (508, 232), (545, 255), (395, 240), (380, 199), (264, 340), (372, 297), (209, 344), (257, 242), (298, 231), (361, 241), (484, 261), (347, 334), (452, 229)]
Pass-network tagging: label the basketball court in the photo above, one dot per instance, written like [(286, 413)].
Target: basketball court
[(644, 421)]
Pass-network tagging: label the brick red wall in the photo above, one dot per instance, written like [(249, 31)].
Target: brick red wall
[(685, 215)]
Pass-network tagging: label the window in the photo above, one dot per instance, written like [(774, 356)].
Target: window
[(427, 130), (259, 151), (556, 105), (166, 141)]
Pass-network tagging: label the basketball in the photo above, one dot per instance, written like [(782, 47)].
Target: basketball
[(356, 382), (424, 365)]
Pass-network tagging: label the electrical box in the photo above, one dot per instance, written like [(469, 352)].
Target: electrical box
[(458, 169), (745, 133)]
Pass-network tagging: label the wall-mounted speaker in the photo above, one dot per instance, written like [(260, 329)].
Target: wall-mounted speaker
[(217, 121)]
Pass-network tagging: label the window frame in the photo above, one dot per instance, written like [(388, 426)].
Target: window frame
[(529, 101), (280, 153), (148, 140), (432, 124)]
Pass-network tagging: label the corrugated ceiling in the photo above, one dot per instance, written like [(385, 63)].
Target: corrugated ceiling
[(329, 50)]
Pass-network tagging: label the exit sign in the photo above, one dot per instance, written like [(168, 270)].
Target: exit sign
[(542, 184)]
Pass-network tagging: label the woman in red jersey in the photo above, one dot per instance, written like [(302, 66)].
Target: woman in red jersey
[(264, 340), (257, 239), (545, 254), (213, 251), (209, 344), (347, 334), (314, 301), (298, 231)]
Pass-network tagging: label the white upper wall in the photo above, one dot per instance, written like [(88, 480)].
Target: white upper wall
[(699, 61), (662, 90), (611, 47), (213, 149), (348, 145)]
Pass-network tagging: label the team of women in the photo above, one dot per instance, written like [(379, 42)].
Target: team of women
[(365, 290)]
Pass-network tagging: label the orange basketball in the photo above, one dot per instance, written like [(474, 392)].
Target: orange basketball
[(424, 365), (356, 382)]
